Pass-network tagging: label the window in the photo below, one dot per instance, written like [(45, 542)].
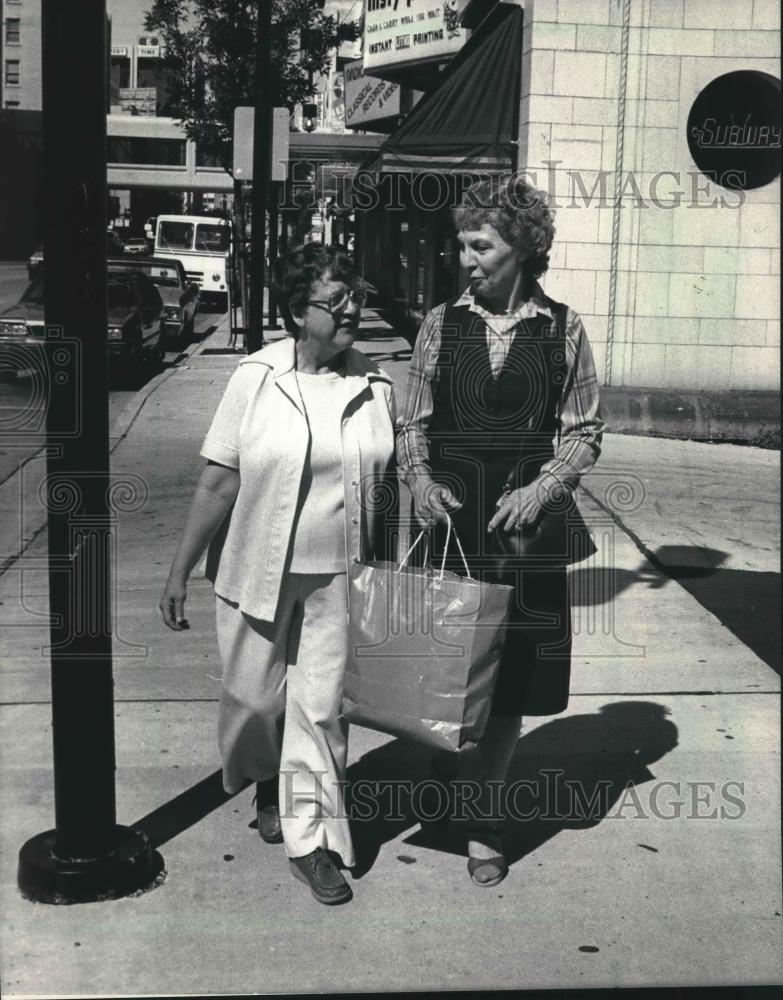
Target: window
[(175, 235), (119, 296), (120, 73), (164, 276), (147, 152), (12, 71), (206, 159), (212, 238), (12, 31)]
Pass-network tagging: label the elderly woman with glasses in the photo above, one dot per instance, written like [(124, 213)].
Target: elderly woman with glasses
[(303, 433), (501, 421)]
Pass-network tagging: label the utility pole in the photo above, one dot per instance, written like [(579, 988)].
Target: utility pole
[(239, 260), (274, 222), (262, 150), (87, 856)]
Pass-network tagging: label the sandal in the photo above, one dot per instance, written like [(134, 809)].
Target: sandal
[(487, 872)]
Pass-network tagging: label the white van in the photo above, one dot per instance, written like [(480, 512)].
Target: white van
[(201, 243)]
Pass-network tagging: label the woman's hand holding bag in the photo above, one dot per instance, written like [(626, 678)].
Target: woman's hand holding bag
[(432, 502)]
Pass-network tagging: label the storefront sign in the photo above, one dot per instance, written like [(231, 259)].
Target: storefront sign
[(407, 32), (368, 99), (120, 51), (147, 51), (734, 130)]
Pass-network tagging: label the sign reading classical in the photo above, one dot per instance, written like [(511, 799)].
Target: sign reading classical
[(368, 99), (405, 32)]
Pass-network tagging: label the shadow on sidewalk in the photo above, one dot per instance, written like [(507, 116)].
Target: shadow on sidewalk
[(184, 811), (566, 774), (747, 602), (570, 773)]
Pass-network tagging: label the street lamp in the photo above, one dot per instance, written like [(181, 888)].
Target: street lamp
[(309, 117)]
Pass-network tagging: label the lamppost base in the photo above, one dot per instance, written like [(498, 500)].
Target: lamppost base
[(128, 865)]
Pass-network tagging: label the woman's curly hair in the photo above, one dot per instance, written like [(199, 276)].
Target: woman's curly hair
[(294, 275), (518, 211)]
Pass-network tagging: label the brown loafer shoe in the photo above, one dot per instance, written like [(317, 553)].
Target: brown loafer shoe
[(268, 812), (326, 881), (269, 827)]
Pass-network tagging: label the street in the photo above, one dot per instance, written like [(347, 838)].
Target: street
[(22, 414)]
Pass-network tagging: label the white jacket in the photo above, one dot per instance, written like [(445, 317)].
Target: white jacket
[(260, 428)]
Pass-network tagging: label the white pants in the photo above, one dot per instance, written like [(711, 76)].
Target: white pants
[(280, 708)]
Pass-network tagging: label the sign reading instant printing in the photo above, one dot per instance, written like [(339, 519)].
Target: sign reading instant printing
[(403, 32), (368, 99)]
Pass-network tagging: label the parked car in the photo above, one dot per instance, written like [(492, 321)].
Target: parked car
[(136, 328), (22, 324), (137, 246), (114, 246), (35, 262), (180, 297)]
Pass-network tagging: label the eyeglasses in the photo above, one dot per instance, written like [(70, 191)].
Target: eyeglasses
[(337, 302)]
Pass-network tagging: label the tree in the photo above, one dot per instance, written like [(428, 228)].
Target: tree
[(210, 54)]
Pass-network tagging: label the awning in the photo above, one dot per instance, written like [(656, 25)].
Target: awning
[(467, 124)]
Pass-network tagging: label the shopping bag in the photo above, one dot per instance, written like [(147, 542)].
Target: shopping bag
[(424, 650)]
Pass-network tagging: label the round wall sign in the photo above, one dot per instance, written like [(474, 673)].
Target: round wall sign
[(734, 130)]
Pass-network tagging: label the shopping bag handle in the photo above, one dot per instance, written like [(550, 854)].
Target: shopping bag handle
[(449, 529), (407, 555)]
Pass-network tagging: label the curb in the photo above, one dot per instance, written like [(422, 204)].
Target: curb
[(125, 420), (749, 417)]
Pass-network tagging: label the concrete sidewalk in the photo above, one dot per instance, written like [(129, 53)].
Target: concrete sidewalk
[(671, 882)]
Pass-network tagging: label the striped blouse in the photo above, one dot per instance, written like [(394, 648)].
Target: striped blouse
[(581, 427)]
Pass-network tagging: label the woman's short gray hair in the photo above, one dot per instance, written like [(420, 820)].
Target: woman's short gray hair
[(518, 211), (293, 276)]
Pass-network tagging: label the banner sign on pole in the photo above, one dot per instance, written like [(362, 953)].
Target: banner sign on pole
[(243, 143)]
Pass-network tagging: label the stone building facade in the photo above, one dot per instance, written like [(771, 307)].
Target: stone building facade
[(677, 278)]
